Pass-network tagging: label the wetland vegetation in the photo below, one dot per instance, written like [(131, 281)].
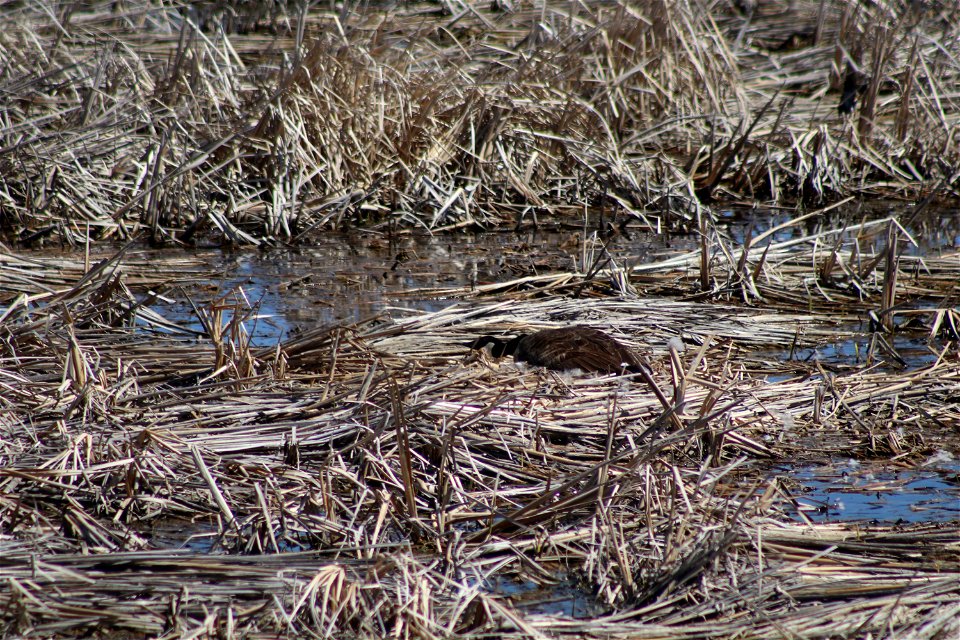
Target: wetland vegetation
[(205, 434)]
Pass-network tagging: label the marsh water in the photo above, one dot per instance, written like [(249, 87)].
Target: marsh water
[(345, 278)]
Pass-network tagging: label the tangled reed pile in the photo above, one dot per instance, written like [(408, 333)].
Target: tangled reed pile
[(258, 122), (376, 481)]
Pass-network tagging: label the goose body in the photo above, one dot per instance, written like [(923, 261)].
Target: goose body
[(566, 348)]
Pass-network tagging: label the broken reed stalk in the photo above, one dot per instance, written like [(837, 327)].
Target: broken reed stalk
[(880, 54), (229, 520), (705, 245), (677, 374), (405, 459), (904, 112)]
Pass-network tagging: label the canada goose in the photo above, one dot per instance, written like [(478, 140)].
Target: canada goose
[(577, 347), (567, 348)]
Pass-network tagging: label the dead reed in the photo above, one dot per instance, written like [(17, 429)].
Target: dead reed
[(376, 480), (252, 123)]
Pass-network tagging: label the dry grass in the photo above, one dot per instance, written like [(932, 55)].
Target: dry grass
[(252, 122), (375, 480)]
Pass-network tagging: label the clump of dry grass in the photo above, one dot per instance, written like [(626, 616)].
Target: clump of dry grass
[(177, 121)]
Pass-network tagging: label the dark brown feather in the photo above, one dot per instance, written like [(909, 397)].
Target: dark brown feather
[(574, 347), (577, 348)]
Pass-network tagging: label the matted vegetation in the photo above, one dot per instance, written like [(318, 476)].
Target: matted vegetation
[(376, 480), (255, 121)]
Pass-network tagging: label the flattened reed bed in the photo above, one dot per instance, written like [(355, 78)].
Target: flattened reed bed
[(330, 595), (828, 272), (377, 479), (177, 121)]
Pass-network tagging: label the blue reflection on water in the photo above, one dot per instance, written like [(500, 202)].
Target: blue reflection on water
[(565, 597), (853, 491)]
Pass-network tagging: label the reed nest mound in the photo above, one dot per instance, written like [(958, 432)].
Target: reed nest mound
[(258, 122), (378, 480)]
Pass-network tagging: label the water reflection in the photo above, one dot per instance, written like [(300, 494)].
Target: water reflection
[(928, 234), (564, 597), (344, 278), (347, 277), (854, 491), (855, 347)]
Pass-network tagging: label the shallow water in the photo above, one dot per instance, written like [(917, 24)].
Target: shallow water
[(929, 234), (200, 537), (345, 278), (856, 347), (851, 491), (564, 597)]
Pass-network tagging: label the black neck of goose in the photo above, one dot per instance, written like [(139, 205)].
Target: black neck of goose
[(509, 348), (498, 348)]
